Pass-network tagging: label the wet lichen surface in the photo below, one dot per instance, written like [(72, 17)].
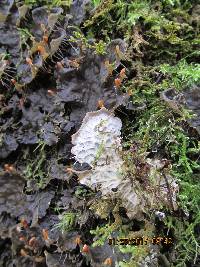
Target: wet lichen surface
[(99, 133)]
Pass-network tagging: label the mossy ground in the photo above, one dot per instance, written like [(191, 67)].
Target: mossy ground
[(163, 41), (163, 53)]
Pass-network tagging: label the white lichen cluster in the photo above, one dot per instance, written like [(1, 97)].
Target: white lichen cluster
[(98, 143), (98, 139)]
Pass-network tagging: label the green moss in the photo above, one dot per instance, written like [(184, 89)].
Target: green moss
[(67, 221), (100, 12), (36, 168), (181, 73)]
